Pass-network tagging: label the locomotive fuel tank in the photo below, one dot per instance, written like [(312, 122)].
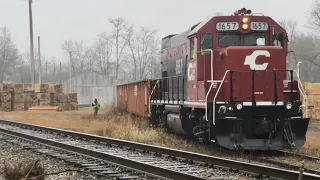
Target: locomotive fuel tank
[(175, 124)]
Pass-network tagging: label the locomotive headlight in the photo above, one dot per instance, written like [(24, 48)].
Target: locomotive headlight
[(244, 26), (245, 20), (239, 106), (289, 105)]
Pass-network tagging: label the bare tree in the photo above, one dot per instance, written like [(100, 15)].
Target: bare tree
[(144, 48), (290, 27), (314, 16), (8, 54), (119, 38), (81, 56), (69, 49), (102, 51)]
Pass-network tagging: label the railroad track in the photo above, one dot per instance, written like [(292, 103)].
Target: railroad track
[(302, 156), (136, 160)]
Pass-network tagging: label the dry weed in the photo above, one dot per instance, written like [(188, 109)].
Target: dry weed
[(115, 123), (22, 169)]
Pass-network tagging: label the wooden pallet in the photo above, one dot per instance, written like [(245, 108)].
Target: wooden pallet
[(44, 108)]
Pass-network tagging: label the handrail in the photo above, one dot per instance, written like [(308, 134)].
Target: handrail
[(215, 97), (154, 87), (214, 100), (301, 88), (211, 56)]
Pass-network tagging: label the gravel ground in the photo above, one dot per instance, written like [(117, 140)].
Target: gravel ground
[(15, 154)]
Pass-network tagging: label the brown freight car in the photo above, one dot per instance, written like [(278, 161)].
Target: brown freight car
[(134, 97)]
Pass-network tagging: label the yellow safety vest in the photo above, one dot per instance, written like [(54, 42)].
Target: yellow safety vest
[(95, 105)]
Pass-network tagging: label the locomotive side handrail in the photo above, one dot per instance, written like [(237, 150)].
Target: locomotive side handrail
[(214, 99), (301, 88), (154, 87)]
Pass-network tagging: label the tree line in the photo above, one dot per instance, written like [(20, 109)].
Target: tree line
[(126, 53)]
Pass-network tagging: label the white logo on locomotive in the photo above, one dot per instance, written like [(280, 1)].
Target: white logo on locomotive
[(251, 60), (191, 71)]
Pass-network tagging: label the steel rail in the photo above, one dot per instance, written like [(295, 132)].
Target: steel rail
[(304, 156), (243, 166), (154, 171)]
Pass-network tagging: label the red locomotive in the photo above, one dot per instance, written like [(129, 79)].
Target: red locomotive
[(224, 80)]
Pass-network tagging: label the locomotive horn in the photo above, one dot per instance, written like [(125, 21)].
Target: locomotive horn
[(243, 10), (248, 11)]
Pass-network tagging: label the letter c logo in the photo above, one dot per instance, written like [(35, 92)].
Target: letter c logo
[(251, 60)]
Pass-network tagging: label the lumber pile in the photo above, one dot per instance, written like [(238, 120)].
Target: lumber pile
[(6, 95), (313, 98), (19, 97), (68, 102)]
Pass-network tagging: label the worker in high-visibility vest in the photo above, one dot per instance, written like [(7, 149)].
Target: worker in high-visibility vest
[(96, 106)]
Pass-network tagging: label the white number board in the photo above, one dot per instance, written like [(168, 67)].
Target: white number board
[(226, 26), (259, 26)]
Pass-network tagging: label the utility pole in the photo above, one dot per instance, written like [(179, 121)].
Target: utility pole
[(70, 73), (39, 54), (31, 47)]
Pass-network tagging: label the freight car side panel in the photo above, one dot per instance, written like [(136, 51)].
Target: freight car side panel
[(133, 97)]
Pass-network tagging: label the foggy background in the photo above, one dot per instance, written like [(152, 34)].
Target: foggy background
[(108, 42)]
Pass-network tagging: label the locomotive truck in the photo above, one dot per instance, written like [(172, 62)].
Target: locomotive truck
[(224, 81)]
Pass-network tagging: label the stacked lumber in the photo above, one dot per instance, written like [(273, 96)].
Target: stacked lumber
[(313, 98), (41, 88), (6, 95), (1, 88), (73, 101), (44, 99), (18, 97), (30, 99), (27, 86), (55, 91), (68, 102), (55, 88)]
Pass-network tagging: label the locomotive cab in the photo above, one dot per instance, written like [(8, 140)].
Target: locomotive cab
[(225, 81)]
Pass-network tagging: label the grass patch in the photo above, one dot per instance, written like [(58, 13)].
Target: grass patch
[(23, 170), (115, 123)]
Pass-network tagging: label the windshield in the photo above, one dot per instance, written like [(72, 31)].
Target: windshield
[(226, 40), (254, 40)]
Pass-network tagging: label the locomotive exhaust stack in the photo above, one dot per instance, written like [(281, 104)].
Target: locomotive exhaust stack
[(225, 81)]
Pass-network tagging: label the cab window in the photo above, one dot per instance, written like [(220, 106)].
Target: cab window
[(192, 53), (226, 40), (254, 40), (277, 39), (206, 43)]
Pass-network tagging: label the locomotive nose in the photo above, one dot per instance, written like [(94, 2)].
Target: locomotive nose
[(254, 58)]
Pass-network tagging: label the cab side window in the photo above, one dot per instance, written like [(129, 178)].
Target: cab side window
[(206, 43), (277, 39), (192, 53)]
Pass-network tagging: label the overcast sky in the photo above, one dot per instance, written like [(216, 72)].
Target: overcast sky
[(58, 20)]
